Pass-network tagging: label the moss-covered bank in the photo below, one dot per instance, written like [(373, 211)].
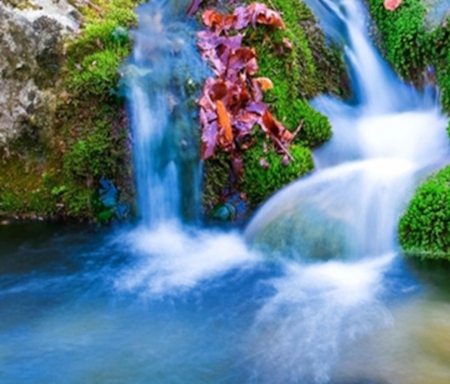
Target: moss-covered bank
[(308, 68), (84, 155), (420, 53)]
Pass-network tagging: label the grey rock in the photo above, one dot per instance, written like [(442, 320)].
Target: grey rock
[(32, 34)]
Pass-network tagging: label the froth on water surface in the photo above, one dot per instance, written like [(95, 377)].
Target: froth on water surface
[(172, 259)]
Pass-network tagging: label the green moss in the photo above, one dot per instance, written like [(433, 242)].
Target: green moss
[(410, 47), (265, 172), (403, 35), (92, 125), (216, 179), (424, 229), (97, 74), (59, 174), (296, 73), (23, 189)]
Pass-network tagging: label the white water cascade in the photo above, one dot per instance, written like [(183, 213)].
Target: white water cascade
[(381, 148), (164, 66), (331, 235), (345, 212)]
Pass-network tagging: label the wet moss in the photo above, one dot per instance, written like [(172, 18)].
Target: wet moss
[(417, 52), (266, 171), (58, 172), (424, 229)]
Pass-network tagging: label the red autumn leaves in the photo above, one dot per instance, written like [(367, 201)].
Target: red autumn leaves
[(231, 104)]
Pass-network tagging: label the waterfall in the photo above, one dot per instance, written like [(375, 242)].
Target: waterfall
[(310, 274), (162, 73), (382, 145), (337, 227)]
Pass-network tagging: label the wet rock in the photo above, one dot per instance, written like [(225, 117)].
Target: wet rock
[(31, 48), (224, 212)]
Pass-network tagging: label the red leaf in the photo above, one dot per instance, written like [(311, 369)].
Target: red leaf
[(212, 19), (242, 17), (224, 123), (209, 137), (259, 13)]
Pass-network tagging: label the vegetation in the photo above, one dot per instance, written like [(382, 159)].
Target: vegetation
[(424, 229), (420, 54), (301, 65), (416, 51), (266, 171), (88, 141)]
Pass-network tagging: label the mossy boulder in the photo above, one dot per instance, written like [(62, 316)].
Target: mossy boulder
[(424, 228), (301, 66), (70, 130), (31, 48)]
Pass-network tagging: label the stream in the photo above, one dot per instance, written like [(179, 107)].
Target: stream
[(313, 291)]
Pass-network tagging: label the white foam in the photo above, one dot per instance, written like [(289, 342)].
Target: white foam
[(173, 260)]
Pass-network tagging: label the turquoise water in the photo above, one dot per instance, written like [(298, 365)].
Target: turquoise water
[(72, 313)]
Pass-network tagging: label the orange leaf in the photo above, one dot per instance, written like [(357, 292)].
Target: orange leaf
[(212, 18), (265, 83), (224, 120)]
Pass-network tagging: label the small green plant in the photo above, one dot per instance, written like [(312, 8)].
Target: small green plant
[(267, 171), (424, 228)]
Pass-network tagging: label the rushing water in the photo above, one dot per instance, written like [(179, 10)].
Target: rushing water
[(163, 67), (313, 292)]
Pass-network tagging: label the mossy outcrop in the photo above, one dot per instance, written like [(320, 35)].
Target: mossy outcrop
[(63, 129), (301, 66), (424, 229), (417, 49)]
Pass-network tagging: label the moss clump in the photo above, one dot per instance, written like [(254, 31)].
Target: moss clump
[(295, 72), (424, 229), (411, 47), (266, 171), (92, 124), (309, 68), (403, 35)]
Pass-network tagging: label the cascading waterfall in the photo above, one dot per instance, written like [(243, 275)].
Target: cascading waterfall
[(163, 68), (313, 292), (347, 210), (381, 147)]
